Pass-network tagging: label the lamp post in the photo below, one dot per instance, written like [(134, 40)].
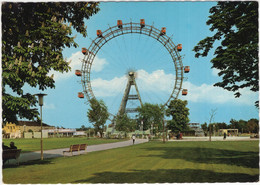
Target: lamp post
[(163, 131), (40, 98)]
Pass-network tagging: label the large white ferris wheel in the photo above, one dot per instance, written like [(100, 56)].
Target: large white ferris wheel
[(169, 57)]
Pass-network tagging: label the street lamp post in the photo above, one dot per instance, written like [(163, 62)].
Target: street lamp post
[(40, 97), (163, 131)]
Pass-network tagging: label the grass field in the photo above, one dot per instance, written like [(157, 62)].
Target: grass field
[(29, 145), (153, 162)]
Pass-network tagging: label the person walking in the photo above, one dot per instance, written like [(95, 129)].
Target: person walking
[(225, 135), (133, 137)]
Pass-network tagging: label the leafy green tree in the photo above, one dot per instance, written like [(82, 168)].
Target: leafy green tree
[(124, 123), (98, 115), (83, 128), (240, 125), (253, 126), (150, 114), (204, 127), (180, 115), (221, 125), (33, 38), (235, 25)]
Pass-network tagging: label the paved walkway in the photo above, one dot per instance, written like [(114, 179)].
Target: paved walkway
[(24, 157), (214, 138)]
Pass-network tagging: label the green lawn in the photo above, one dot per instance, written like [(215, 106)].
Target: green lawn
[(28, 145), (153, 162)]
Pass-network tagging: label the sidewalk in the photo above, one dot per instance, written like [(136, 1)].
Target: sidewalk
[(214, 138), (24, 157)]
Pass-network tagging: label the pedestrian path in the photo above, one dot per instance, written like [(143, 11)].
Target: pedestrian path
[(214, 138), (30, 156)]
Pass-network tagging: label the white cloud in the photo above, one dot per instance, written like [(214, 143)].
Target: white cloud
[(98, 64), (158, 81), (104, 88), (209, 93), (76, 63)]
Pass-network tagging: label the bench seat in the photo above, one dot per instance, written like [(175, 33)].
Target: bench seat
[(76, 148), (11, 154)]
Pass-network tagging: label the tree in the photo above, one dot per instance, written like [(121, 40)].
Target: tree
[(33, 38), (221, 125), (150, 114), (124, 123), (179, 112), (253, 126), (204, 127), (235, 24), (240, 125), (98, 115)]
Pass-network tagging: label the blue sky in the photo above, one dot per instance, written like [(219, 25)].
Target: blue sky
[(186, 23)]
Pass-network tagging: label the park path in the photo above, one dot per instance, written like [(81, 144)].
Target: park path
[(24, 157)]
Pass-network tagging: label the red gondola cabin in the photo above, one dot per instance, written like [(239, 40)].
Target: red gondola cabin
[(80, 95), (179, 47), (119, 24), (184, 92), (142, 23), (99, 33), (84, 51), (78, 72), (163, 31), (186, 69)]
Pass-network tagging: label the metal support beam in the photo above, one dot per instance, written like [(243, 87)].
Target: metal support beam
[(131, 82)]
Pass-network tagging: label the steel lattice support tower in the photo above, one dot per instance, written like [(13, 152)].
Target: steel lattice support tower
[(131, 82)]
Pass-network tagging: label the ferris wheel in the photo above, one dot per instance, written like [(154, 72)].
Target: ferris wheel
[(169, 55)]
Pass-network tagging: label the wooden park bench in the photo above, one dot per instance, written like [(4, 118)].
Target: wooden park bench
[(11, 154), (76, 148)]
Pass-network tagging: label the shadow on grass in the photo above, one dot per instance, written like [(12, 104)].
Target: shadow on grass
[(29, 163), (208, 155), (167, 176)]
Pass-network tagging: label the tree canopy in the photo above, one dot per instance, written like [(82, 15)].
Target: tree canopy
[(33, 38), (179, 113), (98, 114), (235, 25), (124, 123), (150, 114)]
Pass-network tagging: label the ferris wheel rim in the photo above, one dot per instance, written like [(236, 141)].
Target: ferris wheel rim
[(131, 28)]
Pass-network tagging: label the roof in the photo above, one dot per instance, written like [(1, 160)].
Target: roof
[(32, 123)]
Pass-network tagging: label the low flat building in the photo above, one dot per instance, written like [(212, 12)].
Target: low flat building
[(17, 130), (229, 132), (61, 132), (197, 128)]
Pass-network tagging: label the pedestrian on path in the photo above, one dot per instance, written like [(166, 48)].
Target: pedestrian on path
[(133, 137)]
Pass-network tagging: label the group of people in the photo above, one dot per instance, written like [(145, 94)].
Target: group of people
[(12, 146)]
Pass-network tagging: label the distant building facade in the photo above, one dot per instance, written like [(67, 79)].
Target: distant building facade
[(229, 132), (18, 130), (197, 128), (32, 129)]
